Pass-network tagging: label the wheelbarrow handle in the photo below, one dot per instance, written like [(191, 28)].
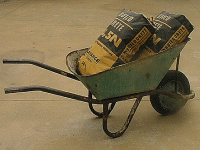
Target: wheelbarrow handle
[(51, 91), (41, 65)]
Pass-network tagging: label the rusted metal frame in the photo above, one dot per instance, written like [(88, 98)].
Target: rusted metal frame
[(90, 100), (153, 92), (177, 67), (64, 94), (126, 124), (190, 96), (105, 103), (41, 65), (99, 114)]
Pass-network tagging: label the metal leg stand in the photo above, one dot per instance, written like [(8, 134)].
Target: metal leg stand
[(99, 114), (128, 120)]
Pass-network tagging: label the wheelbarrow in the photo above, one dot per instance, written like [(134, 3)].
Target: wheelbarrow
[(169, 90)]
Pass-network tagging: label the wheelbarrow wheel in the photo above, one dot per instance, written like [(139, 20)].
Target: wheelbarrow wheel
[(166, 105)]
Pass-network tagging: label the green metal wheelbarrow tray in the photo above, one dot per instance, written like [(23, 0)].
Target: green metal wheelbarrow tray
[(168, 90)]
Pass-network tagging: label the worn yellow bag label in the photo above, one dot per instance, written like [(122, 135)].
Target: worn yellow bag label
[(171, 30), (99, 58), (135, 44)]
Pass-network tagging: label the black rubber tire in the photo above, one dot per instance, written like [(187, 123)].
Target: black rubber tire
[(166, 105)]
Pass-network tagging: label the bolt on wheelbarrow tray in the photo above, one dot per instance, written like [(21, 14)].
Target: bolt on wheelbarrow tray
[(134, 77)]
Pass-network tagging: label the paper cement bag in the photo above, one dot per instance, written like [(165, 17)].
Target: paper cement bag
[(171, 29), (118, 44)]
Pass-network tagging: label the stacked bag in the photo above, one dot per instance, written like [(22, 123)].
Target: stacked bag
[(118, 44), (132, 36), (171, 30)]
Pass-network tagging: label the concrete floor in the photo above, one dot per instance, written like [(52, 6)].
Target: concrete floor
[(46, 31)]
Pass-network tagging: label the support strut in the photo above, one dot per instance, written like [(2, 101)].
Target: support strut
[(128, 120), (99, 114)]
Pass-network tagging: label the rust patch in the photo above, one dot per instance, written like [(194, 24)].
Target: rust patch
[(148, 75)]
